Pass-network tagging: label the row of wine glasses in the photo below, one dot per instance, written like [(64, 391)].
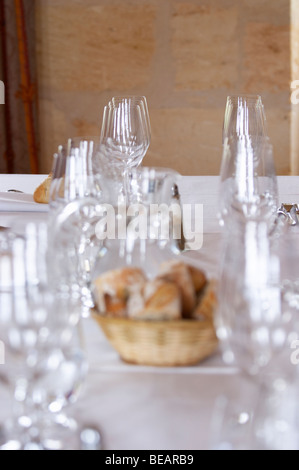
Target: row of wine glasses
[(91, 222), (45, 281), (82, 162)]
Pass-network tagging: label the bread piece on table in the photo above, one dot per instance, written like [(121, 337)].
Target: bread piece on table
[(207, 303), (179, 274), (42, 193), (112, 290), (157, 300)]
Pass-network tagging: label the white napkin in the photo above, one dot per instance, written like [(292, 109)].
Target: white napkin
[(16, 202)]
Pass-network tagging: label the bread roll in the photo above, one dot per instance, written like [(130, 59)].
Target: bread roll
[(42, 193), (179, 274), (157, 300), (198, 278), (113, 289), (207, 303)]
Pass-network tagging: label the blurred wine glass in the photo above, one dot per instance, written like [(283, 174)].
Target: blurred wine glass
[(74, 247), (149, 230), (255, 320), (74, 175), (248, 181), (250, 318), (37, 326), (244, 116), (77, 170)]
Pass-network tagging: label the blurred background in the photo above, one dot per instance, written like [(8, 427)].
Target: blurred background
[(62, 60)]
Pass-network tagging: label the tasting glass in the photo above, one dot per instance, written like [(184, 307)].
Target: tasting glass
[(244, 117), (248, 181)]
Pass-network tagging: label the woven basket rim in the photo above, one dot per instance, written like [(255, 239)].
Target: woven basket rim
[(183, 323)]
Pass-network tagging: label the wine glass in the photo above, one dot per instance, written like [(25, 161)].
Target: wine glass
[(37, 326), (250, 319), (75, 246), (76, 174), (126, 133), (248, 182), (140, 101), (146, 231), (255, 318), (276, 423), (244, 116), (73, 171)]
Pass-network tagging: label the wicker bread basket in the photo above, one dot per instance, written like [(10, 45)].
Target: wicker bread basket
[(160, 343)]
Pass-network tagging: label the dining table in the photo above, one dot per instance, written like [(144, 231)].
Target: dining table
[(142, 407)]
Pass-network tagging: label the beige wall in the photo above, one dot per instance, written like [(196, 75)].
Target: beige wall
[(186, 56)]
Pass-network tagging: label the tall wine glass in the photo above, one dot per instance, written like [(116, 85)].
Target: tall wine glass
[(244, 117), (254, 318)]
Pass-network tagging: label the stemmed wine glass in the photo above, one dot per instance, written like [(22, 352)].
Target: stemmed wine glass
[(244, 117), (126, 134)]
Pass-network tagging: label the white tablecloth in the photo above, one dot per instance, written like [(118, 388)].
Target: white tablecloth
[(151, 408)]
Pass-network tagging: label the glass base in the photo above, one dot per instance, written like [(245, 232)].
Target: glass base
[(55, 432)]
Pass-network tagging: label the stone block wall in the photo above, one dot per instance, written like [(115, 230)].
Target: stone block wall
[(186, 56)]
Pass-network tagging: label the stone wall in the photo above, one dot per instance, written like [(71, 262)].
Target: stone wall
[(186, 56)]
